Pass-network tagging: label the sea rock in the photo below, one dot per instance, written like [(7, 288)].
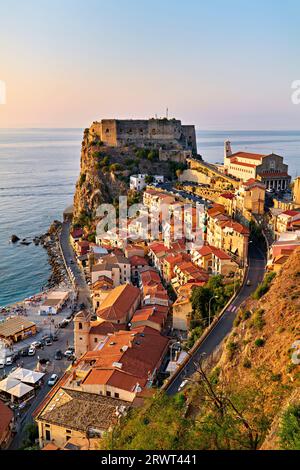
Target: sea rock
[(14, 239)]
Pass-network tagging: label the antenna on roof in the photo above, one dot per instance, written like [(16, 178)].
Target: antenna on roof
[(167, 113)]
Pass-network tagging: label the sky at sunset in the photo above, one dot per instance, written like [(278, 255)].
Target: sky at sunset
[(217, 64)]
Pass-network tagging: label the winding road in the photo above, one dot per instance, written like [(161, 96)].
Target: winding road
[(223, 327)]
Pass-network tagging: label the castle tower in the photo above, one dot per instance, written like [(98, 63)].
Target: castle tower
[(227, 151), (82, 324)]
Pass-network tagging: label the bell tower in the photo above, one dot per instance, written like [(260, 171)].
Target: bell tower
[(227, 151), (82, 324)]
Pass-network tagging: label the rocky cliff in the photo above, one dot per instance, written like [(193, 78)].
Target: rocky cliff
[(105, 171)]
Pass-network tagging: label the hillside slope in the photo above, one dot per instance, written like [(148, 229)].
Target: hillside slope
[(237, 404)]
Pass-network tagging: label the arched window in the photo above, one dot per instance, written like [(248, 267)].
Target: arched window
[(80, 326)]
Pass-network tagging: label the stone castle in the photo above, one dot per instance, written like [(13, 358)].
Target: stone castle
[(164, 134)]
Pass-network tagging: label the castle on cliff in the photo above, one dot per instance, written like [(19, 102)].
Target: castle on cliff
[(164, 134)]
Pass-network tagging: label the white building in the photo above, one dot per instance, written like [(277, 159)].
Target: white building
[(138, 183)]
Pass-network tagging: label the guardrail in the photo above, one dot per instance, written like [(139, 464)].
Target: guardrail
[(205, 334)]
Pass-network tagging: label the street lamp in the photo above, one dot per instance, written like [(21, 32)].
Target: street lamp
[(214, 297)]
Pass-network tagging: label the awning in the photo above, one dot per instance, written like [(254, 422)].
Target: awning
[(26, 375), (8, 383), (20, 390)]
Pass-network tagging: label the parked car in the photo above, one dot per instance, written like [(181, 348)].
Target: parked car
[(248, 283), (182, 385), (9, 361), (69, 352), (24, 352), (55, 337), (48, 342), (53, 379), (36, 344), (58, 355), (2, 363), (62, 324), (68, 319), (31, 351)]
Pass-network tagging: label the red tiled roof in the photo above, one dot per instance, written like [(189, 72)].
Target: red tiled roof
[(219, 253), (236, 227), (228, 195), (234, 161), (6, 416), (150, 276), (252, 156), (105, 327), (139, 352), (117, 304), (273, 174), (77, 233), (138, 261), (290, 213)]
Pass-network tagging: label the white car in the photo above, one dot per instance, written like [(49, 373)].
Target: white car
[(31, 351), (182, 385), (9, 361), (2, 364), (53, 379), (69, 352)]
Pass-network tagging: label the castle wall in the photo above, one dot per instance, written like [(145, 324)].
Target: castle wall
[(153, 133)]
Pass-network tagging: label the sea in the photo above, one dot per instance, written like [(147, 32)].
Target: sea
[(38, 172)]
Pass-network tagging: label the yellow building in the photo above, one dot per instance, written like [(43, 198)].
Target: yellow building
[(74, 415), (296, 190), (250, 197), (228, 235)]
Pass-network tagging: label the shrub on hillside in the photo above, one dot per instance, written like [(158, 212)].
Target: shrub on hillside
[(263, 288), (290, 429)]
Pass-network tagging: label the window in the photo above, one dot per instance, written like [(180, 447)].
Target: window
[(80, 326), (108, 394), (117, 395), (95, 340), (48, 435)]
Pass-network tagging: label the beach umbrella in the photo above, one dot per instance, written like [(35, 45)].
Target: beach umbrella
[(8, 383), (20, 390)]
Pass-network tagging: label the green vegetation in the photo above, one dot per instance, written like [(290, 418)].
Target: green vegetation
[(263, 288), (290, 429), (31, 434), (259, 342), (115, 167), (221, 418), (103, 163), (258, 320), (176, 169), (82, 179), (201, 299), (83, 220), (149, 179), (146, 154)]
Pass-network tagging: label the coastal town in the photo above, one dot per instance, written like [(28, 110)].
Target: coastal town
[(131, 309)]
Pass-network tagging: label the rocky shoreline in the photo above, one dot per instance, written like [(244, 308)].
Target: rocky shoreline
[(50, 242)]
